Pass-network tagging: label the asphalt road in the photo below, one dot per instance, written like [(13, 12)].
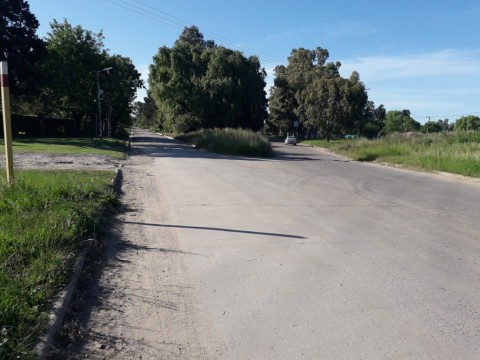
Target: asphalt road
[(312, 256)]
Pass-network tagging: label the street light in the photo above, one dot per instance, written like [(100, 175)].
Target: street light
[(99, 94)]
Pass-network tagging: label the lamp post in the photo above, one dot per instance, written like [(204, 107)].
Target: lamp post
[(99, 94)]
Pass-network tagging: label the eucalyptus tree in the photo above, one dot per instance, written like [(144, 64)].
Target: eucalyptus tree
[(292, 93), (282, 103), (174, 82), (374, 120), (324, 100), (198, 84)]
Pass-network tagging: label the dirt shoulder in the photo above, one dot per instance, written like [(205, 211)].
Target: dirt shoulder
[(134, 297), (48, 161)]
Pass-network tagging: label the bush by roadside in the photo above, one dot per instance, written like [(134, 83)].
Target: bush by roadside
[(229, 141)]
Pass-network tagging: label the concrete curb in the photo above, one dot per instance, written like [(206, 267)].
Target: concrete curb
[(60, 307)]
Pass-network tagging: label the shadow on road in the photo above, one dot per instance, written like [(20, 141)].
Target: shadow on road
[(217, 229), (152, 145), (160, 146)]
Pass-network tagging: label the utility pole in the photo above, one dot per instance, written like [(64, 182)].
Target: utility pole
[(99, 96), (7, 123)]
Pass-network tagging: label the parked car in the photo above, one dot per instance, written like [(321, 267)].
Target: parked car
[(291, 140)]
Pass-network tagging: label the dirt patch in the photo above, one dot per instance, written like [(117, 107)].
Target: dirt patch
[(61, 161)]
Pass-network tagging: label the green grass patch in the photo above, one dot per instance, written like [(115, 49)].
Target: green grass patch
[(44, 219), (229, 141), (111, 147), (455, 152)]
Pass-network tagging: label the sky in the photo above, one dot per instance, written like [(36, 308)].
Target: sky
[(421, 55)]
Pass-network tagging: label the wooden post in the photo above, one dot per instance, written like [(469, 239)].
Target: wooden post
[(7, 124)]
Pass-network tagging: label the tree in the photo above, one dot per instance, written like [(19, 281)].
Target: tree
[(120, 91), (446, 126), (282, 104), (469, 122), (374, 120), (174, 84), (70, 68), (19, 45), (193, 36), (197, 84), (145, 113), (400, 121), (434, 126), (354, 101), (321, 106), (74, 56), (324, 101)]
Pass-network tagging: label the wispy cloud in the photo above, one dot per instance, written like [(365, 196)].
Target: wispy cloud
[(438, 84), (441, 63)]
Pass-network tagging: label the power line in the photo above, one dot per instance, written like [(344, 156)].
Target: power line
[(178, 23), (144, 15), (226, 39), (444, 116)]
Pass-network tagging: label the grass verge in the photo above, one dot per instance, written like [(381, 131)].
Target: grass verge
[(110, 147), (229, 141), (44, 219), (456, 152)]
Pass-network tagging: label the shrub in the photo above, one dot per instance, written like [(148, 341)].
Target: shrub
[(230, 141)]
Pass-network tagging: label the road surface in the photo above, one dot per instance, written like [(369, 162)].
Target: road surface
[(304, 256)]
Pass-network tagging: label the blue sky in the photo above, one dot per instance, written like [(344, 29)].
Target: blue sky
[(418, 55)]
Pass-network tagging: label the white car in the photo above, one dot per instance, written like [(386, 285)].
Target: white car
[(291, 140)]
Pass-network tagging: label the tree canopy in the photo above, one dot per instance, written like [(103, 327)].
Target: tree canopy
[(57, 76), (400, 121), (145, 112), (74, 59), (197, 84), (19, 45), (311, 91), (469, 122)]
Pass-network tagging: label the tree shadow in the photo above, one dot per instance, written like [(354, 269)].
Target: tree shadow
[(217, 229), (160, 146), (154, 145)]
